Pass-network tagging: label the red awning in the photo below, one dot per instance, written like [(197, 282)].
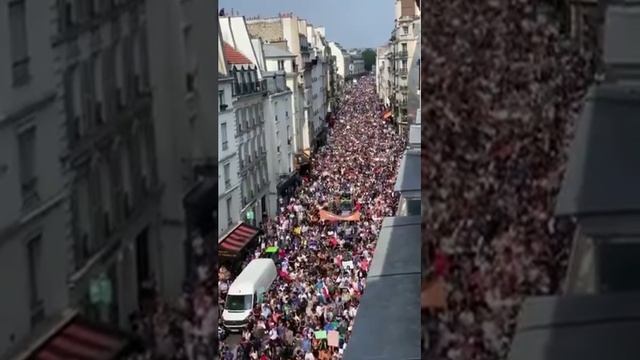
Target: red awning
[(237, 238), (80, 339), (387, 115)]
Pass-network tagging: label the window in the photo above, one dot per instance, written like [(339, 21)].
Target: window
[(405, 30), (107, 196), (280, 64), (229, 207), (27, 153), (227, 176), (190, 82), (34, 255), (119, 74), (404, 47), (98, 64), (223, 131), (404, 65), (18, 42), (221, 102)]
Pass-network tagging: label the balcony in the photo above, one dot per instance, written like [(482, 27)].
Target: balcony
[(402, 54), (403, 72)]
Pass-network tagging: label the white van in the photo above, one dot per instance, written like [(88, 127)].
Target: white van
[(247, 290)]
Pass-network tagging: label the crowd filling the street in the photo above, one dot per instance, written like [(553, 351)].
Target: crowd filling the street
[(502, 88), (321, 264)]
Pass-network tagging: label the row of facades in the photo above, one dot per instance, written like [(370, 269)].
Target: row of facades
[(106, 121), (279, 79), (398, 66)]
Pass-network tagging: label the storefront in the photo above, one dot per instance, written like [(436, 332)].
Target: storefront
[(200, 208), (288, 185), (302, 162), (321, 139), (76, 337), (234, 245)]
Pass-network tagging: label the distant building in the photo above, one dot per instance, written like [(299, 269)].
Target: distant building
[(398, 77)]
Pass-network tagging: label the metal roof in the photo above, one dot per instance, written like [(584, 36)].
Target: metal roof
[(409, 174), (415, 135), (275, 51), (604, 163), (388, 325), (585, 327)]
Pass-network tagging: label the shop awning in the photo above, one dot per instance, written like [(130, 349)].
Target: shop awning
[(236, 239), (302, 158), (81, 339), (387, 115)]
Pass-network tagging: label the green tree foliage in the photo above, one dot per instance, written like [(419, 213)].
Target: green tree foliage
[(369, 56)]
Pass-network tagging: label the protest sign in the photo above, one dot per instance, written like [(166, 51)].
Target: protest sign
[(333, 338)]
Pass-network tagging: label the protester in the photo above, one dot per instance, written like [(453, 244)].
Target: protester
[(501, 89), (323, 265)]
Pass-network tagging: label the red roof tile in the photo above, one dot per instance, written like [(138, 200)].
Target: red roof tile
[(233, 56)]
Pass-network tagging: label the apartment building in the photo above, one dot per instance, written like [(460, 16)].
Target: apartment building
[(356, 68), (280, 62), (404, 55), (83, 195), (229, 195), (278, 128), (343, 61), (292, 31), (384, 74), (81, 186), (320, 67), (184, 112), (249, 90), (34, 213)]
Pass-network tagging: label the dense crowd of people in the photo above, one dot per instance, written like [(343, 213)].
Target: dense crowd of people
[(322, 265), (186, 329), (501, 89)]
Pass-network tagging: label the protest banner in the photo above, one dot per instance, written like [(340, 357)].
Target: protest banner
[(326, 215)]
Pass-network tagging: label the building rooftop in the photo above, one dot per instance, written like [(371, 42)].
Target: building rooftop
[(274, 51), (387, 325), (409, 176), (585, 327), (234, 56), (604, 161)]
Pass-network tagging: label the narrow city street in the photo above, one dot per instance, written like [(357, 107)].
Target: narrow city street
[(323, 240)]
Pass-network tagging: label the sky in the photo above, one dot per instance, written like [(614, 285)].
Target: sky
[(352, 23)]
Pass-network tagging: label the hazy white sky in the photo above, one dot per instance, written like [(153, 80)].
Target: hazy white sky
[(352, 23)]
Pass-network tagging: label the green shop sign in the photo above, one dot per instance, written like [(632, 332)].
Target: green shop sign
[(101, 290)]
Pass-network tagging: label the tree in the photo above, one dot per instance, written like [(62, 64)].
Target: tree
[(369, 56)]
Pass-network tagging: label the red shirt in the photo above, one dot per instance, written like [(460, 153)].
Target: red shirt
[(441, 264)]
